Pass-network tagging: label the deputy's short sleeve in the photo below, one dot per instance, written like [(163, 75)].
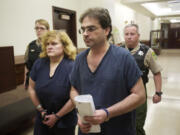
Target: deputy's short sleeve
[(151, 62)]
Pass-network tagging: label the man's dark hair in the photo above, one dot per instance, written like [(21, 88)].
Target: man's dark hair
[(101, 14)]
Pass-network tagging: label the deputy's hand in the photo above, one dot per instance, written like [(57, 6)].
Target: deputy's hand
[(98, 117), (84, 127), (156, 98)]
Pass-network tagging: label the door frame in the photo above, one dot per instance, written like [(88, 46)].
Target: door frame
[(73, 17)]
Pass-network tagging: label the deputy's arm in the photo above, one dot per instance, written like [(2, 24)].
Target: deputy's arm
[(158, 85), (158, 81), (154, 66), (25, 68)]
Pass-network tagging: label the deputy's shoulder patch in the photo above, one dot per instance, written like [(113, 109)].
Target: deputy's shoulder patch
[(154, 55)]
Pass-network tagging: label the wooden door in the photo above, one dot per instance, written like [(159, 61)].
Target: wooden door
[(171, 36), (7, 70), (175, 38), (65, 20)]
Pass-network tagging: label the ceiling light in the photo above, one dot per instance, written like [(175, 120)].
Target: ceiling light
[(173, 1), (174, 21), (156, 9)]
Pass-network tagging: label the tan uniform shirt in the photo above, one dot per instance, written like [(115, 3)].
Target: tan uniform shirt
[(150, 59)]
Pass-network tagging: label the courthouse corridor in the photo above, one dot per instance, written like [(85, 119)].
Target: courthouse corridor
[(164, 118)]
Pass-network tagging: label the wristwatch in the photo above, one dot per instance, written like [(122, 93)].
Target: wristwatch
[(159, 93)]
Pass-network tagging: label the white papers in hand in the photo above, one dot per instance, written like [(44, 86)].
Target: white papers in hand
[(85, 107)]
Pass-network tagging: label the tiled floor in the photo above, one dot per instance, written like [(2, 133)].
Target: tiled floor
[(163, 118)]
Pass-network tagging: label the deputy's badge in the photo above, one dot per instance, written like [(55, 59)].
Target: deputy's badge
[(140, 53), (154, 55), (32, 50)]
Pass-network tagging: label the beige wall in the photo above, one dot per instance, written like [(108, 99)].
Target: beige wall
[(125, 15), (156, 24), (145, 26), (18, 16)]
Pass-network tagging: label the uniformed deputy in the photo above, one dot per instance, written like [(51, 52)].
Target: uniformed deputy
[(146, 59), (34, 48)]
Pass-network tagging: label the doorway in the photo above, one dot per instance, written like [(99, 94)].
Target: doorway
[(174, 35), (171, 36), (65, 20)]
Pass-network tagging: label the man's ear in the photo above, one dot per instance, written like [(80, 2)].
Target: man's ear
[(107, 30)]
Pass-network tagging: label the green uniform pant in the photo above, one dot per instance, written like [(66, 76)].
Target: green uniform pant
[(141, 112), (140, 119)]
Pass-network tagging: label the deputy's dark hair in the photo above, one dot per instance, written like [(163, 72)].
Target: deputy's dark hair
[(101, 14)]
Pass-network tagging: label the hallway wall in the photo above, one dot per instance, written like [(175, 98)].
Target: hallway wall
[(125, 15), (18, 16)]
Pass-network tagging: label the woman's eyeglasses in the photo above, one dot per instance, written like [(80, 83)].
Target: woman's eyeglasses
[(40, 28)]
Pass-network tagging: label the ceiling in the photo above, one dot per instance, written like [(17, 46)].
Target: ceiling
[(167, 10)]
